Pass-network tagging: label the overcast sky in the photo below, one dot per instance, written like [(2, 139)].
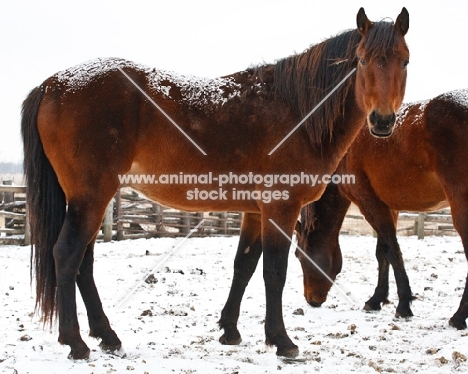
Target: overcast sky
[(208, 38)]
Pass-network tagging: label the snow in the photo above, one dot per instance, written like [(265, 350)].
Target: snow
[(170, 326), (198, 91), (405, 108), (457, 96), (78, 76)]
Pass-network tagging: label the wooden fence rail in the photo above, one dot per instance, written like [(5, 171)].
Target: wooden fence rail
[(130, 215)]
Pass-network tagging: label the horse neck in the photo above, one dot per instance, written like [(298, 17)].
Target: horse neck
[(322, 220), (345, 129), (303, 80)]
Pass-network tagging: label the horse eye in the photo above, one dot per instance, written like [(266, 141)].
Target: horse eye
[(405, 63), (363, 61)]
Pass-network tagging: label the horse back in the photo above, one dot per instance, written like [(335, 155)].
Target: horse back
[(447, 127)]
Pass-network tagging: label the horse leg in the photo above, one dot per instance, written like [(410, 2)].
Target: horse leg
[(275, 263), (383, 220), (81, 224), (245, 263), (98, 322), (446, 125), (380, 295), (459, 210), (458, 320)]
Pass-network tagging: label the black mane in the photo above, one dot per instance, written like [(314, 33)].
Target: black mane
[(303, 80)]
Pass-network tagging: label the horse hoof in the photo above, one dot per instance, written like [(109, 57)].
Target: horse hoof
[(110, 347), (114, 349), (458, 325), (404, 313), (371, 308), (75, 355), (290, 352), (234, 341)]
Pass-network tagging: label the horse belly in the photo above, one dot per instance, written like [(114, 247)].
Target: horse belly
[(418, 193)]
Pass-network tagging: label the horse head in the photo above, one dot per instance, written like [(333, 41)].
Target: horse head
[(381, 70)]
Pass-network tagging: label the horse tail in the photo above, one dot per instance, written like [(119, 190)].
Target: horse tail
[(46, 207)]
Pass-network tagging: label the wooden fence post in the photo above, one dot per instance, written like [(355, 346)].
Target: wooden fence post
[(8, 197), (118, 201), (108, 221), (27, 231), (186, 223), (223, 223), (420, 226)]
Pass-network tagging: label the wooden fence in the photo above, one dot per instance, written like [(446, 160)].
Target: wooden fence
[(409, 223), (130, 215), (13, 224)]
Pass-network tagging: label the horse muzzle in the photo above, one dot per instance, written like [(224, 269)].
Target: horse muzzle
[(316, 299), (381, 126), (315, 304)]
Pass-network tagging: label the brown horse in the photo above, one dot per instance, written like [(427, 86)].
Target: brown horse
[(87, 127), (420, 168)]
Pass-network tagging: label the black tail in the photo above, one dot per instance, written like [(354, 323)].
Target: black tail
[(46, 206)]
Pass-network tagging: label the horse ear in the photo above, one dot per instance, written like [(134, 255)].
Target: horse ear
[(402, 22), (363, 22)]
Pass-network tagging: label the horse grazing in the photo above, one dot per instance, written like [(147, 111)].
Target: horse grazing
[(420, 168), (86, 127)]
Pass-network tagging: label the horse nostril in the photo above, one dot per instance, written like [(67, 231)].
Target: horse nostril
[(382, 120)]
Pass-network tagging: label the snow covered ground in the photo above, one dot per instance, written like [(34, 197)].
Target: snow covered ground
[(171, 326)]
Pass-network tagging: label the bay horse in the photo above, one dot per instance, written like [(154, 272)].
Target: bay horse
[(86, 127), (420, 168)]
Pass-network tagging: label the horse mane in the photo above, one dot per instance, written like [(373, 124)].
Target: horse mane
[(308, 219), (304, 79)]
